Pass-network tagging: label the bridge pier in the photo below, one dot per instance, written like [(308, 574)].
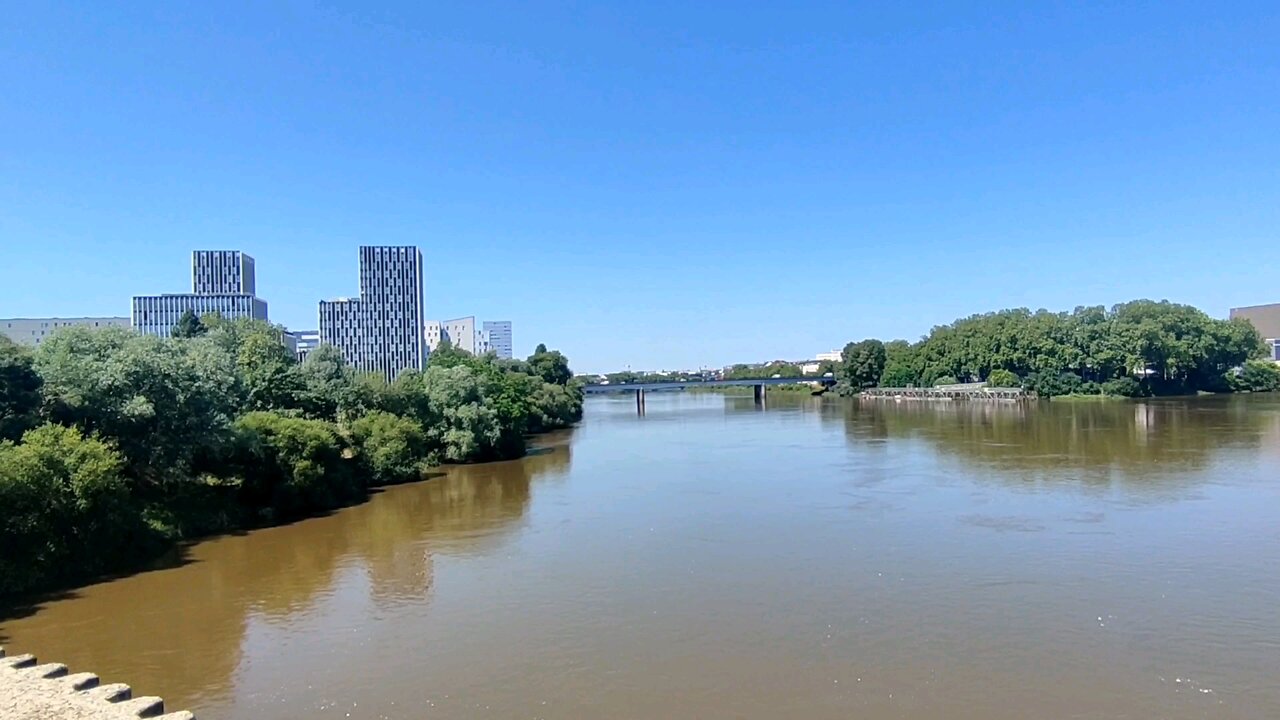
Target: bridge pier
[(758, 393), (639, 401)]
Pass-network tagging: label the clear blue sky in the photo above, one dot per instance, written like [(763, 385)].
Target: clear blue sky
[(649, 184)]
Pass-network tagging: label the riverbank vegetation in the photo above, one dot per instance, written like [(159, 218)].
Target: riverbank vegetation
[(1134, 349), (113, 445)]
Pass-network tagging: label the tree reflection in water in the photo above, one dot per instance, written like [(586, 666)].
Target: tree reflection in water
[(170, 630), (1139, 446)]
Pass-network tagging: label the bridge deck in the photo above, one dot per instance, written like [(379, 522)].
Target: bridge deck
[(647, 387)]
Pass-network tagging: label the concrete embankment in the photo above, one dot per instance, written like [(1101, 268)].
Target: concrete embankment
[(31, 691)]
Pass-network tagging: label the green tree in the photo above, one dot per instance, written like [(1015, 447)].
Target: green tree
[(862, 364), (1172, 348), (189, 326), (293, 466), (330, 389), (897, 376), (391, 448), (901, 365), (268, 371), (466, 427), (1001, 378), (19, 390), (164, 404), (65, 508), (759, 372), (551, 366), (446, 355)]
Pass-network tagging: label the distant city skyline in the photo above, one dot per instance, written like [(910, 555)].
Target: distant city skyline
[(646, 185)]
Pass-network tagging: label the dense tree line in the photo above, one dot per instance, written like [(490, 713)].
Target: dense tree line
[(1133, 349), (114, 445)]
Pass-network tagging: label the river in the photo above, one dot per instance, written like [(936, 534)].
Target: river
[(815, 558)]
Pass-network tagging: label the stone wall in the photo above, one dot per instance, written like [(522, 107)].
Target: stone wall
[(31, 691)]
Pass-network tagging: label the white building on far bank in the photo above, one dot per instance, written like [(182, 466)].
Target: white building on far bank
[(34, 331)]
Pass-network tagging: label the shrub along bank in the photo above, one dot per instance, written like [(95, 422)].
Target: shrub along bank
[(113, 445)]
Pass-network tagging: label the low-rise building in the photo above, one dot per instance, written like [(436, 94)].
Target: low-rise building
[(33, 331), (1266, 318), (432, 332), (304, 341), (158, 314), (222, 281), (461, 332)]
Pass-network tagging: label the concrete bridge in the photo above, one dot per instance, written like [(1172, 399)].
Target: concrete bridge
[(760, 386), (30, 691)]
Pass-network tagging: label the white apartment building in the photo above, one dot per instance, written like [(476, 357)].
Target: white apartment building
[(432, 334), (33, 331), (461, 332), (382, 331)]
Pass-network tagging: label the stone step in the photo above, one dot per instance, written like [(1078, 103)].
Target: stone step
[(80, 681), (19, 661), (48, 670), (143, 707), (115, 692)]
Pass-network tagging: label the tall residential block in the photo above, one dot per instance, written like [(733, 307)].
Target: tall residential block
[(34, 331), (499, 336), (382, 330), (222, 281), (222, 272)]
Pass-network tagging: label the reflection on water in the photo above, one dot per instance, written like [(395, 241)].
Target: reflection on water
[(815, 557), (178, 632), (1152, 444)]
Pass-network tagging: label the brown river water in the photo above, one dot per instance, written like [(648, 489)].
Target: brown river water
[(814, 558)]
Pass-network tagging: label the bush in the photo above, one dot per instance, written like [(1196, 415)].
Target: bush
[(555, 407), (1124, 387), (1257, 376), (1001, 378), (1050, 384), (291, 466), (391, 448), (67, 509), (945, 380)]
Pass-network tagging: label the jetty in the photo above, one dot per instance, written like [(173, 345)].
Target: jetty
[(963, 391)]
